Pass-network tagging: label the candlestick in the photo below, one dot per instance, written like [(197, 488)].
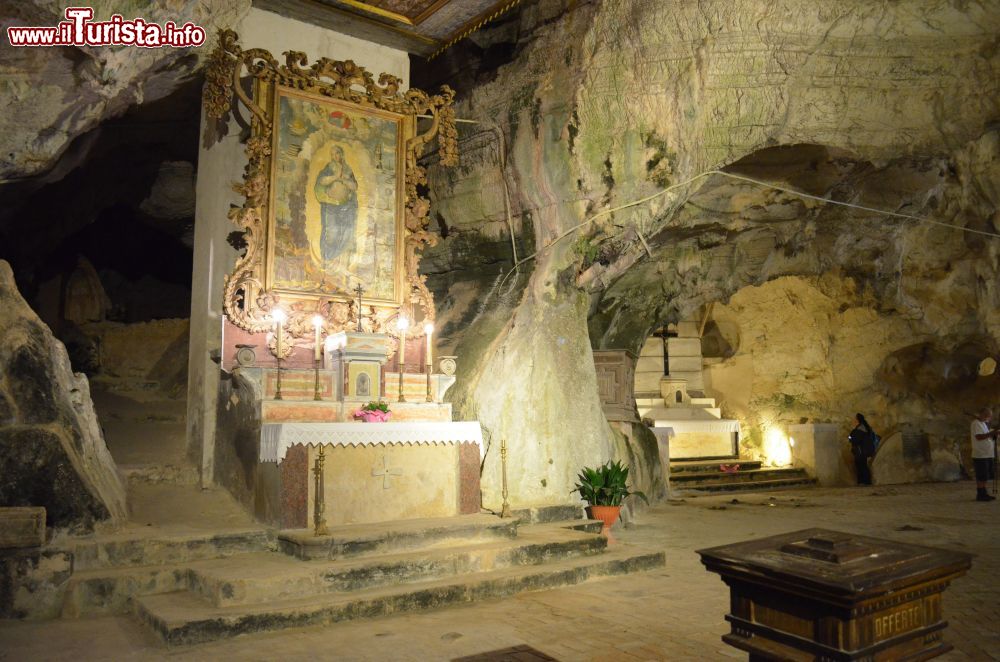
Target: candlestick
[(429, 331), (278, 315), (402, 324), (505, 508), (319, 499)]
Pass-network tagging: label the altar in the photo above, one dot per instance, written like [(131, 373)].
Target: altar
[(374, 472), (328, 319), (313, 454)]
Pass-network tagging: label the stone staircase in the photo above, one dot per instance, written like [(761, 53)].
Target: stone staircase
[(110, 571), (194, 566), (195, 588), (705, 476)]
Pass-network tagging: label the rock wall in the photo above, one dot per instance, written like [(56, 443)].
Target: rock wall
[(52, 451), (42, 119), (887, 104), (817, 349), (146, 354)]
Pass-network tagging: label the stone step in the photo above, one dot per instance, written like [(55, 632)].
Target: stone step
[(696, 478), (185, 618), (547, 514), (266, 578), (664, 415), (353, 540), (177, 474), (749, 486), (109, 591), (585, 525), (712, 465), (137, 549)]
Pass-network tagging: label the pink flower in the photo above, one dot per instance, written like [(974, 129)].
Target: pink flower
[(369, 416)]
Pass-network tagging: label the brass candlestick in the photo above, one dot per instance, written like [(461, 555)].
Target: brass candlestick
[(402, 323), (319, 503), (402, 397), (316, 391), (277, 389), (505, 509)]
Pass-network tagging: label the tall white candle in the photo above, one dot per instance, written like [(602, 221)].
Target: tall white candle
[(278, 315), (402, 324), (429, 331), (318, 324)]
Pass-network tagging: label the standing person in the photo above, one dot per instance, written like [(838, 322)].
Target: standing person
[(862, 440), (983, 451)]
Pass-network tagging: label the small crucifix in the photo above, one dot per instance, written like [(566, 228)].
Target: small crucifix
[(360, 290), (386, 473)]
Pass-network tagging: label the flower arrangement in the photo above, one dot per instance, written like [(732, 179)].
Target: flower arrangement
[(373, 412)]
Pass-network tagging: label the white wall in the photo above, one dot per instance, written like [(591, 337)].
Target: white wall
[(221, 165)]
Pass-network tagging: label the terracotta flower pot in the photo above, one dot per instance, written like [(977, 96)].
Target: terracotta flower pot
[(607, 514)]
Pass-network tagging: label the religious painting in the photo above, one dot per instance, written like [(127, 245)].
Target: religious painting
[(332, 204), (337, 198)]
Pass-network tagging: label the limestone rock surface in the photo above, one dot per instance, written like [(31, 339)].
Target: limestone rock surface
[(53, 95), (52, 450), (889, 105)]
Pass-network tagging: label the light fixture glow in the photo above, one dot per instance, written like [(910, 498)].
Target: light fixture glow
[(429, 328), (279, 316), (317, 321), (402, 323), (777, 449)]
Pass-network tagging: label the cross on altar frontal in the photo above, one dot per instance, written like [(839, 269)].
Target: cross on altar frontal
[(439, 460), (385, 472)]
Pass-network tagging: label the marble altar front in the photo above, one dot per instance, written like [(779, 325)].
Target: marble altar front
[(375, 472)]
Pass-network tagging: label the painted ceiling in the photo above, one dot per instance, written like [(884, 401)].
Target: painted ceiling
[(422, 27)]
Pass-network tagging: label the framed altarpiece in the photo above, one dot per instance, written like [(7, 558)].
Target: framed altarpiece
[(331, 190)]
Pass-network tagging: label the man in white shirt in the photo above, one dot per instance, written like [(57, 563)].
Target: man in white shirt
[(983, 452)]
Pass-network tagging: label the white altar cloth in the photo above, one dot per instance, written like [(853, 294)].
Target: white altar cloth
[(276, 438), (681, 426)]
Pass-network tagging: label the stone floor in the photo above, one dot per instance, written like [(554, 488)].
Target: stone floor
[(672, 614)]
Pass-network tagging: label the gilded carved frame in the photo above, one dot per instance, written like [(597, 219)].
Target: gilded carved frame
[(246, 299)]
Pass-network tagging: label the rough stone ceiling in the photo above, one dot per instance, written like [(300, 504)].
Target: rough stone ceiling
[(422, 27), (53, 95)]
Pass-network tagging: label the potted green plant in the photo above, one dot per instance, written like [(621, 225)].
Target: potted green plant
[(604, 488)]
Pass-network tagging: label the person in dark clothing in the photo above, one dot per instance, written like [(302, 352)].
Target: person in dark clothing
[(862, 440)]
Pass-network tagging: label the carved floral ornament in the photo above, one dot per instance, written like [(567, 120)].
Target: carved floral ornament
[(249, 295)]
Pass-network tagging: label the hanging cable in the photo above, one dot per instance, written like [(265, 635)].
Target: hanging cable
[(751, 180)]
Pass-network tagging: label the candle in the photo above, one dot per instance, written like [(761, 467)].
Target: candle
[(279, 317), (429, 331), (318, 324), (402, 324)]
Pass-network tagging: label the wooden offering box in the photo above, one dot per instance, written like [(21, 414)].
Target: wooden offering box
[(824, 595)]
